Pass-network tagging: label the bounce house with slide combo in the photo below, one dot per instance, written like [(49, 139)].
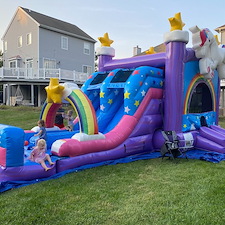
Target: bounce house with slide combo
[(123, 109)]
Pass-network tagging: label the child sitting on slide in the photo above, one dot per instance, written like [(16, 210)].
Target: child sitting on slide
[(39, 155)]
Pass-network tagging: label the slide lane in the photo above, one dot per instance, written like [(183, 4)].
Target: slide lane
[(116, 137), (107, 114), (211, 139), (93, 87), (115, 119)]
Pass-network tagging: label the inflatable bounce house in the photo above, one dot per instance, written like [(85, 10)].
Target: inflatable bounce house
[(123, 108)]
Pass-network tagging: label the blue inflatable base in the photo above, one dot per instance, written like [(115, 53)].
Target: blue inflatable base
[(192, 154)]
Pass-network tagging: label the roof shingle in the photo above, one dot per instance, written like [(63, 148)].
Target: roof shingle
[(57, 25)]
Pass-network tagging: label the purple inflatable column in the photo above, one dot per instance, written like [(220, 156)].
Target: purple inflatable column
[(102, 60), (174, 79), (105, 52)]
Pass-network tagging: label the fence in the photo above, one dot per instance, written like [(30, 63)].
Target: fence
[(36, 74)]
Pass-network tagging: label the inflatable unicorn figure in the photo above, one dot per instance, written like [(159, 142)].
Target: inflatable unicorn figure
[(206, 49)]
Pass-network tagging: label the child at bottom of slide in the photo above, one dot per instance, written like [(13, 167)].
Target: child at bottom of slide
[(39, 154)]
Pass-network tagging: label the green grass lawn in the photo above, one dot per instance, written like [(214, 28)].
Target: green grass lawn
[(222, 121), (24, 117), (150, 192)]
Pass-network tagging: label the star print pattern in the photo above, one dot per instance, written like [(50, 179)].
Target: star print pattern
[(136, 103), (116, 92), (134, 91), (143, 93), (95, 93), (126, 109), (102, 107), (111, 74), (130, 93), (192, 121), (126, 95), (102, 94), (138, 85)]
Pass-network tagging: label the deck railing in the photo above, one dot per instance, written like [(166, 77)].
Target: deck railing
[(222, 82), (44, 74)]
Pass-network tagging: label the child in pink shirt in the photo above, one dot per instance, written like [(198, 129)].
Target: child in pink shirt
[(39, 155)]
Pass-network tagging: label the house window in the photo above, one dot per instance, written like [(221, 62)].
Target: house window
[(86, 48), (64, 43), (5, 46), (87, 69), (29, 39), (49, 63), (12, 64), (20, 41)]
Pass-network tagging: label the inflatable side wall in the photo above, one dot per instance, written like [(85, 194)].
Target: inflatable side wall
[(11, 146)]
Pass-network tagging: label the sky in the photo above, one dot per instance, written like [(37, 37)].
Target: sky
[(129, 23)]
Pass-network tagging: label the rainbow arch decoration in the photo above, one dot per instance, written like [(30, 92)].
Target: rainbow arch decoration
[(85, 111), (80, 103), (198, 78)]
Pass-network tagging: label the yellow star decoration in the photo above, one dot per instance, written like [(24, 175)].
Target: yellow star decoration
[(54, 91), (161, 83), (137, 103), (176, 22), (185, 126), (126, 95), (102, 94), (110, 101), (105, 41), (150, 51), (217, 40)]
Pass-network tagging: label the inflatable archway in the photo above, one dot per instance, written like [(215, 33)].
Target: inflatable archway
[(197, 80), (78, 100)]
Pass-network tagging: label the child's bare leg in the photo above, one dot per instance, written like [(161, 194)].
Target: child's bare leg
[(42, 162), (49, 160)]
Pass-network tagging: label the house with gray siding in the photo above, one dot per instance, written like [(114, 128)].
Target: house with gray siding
[(37, 47)]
